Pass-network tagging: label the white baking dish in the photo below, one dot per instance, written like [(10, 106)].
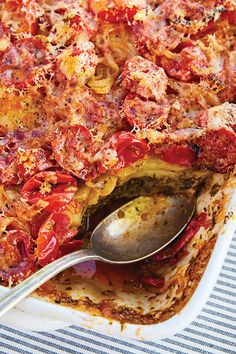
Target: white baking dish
[(37, 315)]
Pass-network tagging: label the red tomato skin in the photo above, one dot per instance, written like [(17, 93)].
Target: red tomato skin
[(42, 162), (170, 251), (84, 21), (78, 142), (230, 16), (62, 227), (129, 148), (145, 113), (21, 247), (118, 15), (191, 230), (186, 66), (55, 232), (37, 222), (21, 236), (58, 201), (70, 247), (60, 195), (47, 248), (34, 28), (23, 64), (175, 69), (179, 154), (153, 281)]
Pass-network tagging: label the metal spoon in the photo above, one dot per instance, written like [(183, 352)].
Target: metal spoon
[(133, 232)]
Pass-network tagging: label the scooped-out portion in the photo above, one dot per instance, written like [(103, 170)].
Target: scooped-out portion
[(154, 289)]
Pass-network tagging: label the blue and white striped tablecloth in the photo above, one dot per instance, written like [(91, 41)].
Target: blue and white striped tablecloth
[(213, 331)]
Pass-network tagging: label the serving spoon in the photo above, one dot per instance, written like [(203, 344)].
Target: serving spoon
[(134, 231)]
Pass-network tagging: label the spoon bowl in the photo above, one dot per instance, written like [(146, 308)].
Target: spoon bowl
[(141, 227), (133, 232)]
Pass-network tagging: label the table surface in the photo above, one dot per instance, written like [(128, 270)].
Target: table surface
[(213, 331)]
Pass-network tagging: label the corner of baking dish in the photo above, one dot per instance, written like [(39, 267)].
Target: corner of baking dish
[(37, 315)]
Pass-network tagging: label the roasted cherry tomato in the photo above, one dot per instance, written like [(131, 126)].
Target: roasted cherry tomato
[(190, 63), (83, 21), (118, 15), (129, 149), (53, 233), (208, 29), (191, 230), (170, 251), (145, 78), (37, 222), (144, 113), (54, 187), (21, 62), (47, 247), (23, 15), (217, 150), (31, 161), (70, 247), (17, 260), (10, 144), (18, 164), (77, 142), (153, 281), (179, 154), (175, 69), (230, 16)]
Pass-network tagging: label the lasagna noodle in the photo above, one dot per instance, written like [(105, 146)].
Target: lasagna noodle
[(168, 178), (115, 45), (106, 73)]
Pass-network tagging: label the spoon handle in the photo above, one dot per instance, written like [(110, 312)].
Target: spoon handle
[(26, 287)]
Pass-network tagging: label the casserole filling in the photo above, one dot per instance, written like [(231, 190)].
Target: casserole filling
[(103, 101), (155, 289)]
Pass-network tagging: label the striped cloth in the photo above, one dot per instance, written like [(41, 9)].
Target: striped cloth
[(213, 331)]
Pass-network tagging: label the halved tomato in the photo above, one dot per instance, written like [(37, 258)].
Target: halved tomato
[(153, 281), (118, 15), (77, 142), (129, 149), (54, 232), (172, 250), (17, 259), (230, 16), (23, 14), (21, 61), (30, 161), (83, 21), (54, 187), (179, 154), (69, 247), (145, 113)]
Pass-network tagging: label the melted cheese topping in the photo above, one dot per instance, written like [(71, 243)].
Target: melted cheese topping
[(97, 93)]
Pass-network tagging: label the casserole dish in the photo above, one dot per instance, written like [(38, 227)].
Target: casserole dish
[(103, 101), (37, 314)]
